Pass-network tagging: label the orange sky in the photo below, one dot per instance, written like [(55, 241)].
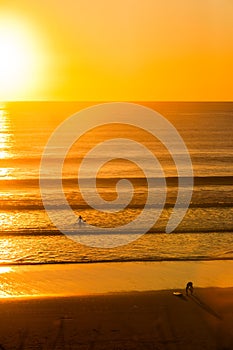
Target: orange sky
[(121, 50)]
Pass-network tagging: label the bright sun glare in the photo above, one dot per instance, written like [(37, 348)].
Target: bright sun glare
[(18, 59)]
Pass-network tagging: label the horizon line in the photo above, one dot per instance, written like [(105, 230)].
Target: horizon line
[(110, 101)]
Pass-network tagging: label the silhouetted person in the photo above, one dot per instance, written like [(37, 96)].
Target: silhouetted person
[(80, 220), (189, 287)]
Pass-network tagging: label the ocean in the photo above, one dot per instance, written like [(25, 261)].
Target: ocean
[(28, 236)]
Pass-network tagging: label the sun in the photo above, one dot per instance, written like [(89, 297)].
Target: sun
[(19, 60)]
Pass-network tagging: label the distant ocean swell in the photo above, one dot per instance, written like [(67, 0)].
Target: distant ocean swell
[(208, 192), (171, 181), (6, 206)]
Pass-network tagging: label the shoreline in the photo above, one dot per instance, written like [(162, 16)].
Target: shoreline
[(18, 263)]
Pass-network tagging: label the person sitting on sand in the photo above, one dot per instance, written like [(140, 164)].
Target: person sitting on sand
[(189, 287)]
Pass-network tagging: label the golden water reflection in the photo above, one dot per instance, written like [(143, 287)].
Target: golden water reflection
[(5, 269), (5, 172), (6, 141)]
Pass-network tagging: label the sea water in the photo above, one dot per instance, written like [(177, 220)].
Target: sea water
[(27, 234)]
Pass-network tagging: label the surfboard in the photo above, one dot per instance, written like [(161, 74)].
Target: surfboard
[(178, 294)]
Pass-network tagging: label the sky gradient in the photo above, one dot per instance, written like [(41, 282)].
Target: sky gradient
[(118, 50)]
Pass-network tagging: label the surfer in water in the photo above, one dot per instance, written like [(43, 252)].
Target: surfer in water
[(80, 220), (189, 287)]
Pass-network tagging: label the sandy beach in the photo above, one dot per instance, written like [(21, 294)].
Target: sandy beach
[(143, 320), (117, 306)]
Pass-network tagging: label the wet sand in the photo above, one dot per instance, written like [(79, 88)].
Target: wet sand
[(99, 278)]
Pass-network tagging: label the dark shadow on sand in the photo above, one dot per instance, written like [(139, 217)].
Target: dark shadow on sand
[(204, 306), (181, 297)]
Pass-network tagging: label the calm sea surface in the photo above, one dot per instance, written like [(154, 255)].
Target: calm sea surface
[(28, 236)]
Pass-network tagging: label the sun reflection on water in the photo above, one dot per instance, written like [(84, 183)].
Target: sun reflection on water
[(6, 138), (5, 269)]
